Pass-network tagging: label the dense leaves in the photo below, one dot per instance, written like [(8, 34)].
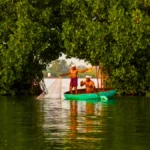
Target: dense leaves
[(29, 40), (110, 33), (113, 34)]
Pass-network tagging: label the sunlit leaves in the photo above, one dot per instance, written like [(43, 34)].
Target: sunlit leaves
[(113, 33), (30, 39)]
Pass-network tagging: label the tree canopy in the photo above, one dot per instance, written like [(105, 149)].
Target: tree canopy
[(114, 34), (110, 33), (29, 40)]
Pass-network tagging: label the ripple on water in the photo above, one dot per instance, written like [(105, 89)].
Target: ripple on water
[(59, 124)]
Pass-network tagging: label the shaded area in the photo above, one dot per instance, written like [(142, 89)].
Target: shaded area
[(25, 123)]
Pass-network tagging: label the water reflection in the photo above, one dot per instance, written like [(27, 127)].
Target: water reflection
[(72, 122), (73, 119), (85, 122), (60, 124), (89, 121), (18, 123)]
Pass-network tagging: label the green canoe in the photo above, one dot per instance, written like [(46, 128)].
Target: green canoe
[(101, 94)]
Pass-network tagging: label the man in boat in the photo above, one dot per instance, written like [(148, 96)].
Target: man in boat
[(73, 72), (89, 84)]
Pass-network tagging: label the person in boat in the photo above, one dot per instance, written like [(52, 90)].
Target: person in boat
[(89, 84), (73, 72)]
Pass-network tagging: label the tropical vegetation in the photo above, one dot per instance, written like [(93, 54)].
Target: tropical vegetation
[(61, 66), (29, 40), (113, 34)]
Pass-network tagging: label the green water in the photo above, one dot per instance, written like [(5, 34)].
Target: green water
[(28, 124)]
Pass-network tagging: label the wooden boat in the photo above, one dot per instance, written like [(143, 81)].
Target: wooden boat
[(82, 95)]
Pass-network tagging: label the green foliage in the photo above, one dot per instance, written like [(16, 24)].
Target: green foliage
[(113, 33), (29, 40), (57, 67)]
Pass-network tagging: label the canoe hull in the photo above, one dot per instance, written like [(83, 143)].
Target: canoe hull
[(89, 96)]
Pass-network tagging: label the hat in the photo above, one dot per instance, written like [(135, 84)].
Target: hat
[(73, 65), (88, 76)]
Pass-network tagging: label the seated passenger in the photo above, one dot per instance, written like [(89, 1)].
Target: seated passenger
[(89, 84)]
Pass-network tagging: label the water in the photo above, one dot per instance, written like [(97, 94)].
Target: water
[(28, 124)]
